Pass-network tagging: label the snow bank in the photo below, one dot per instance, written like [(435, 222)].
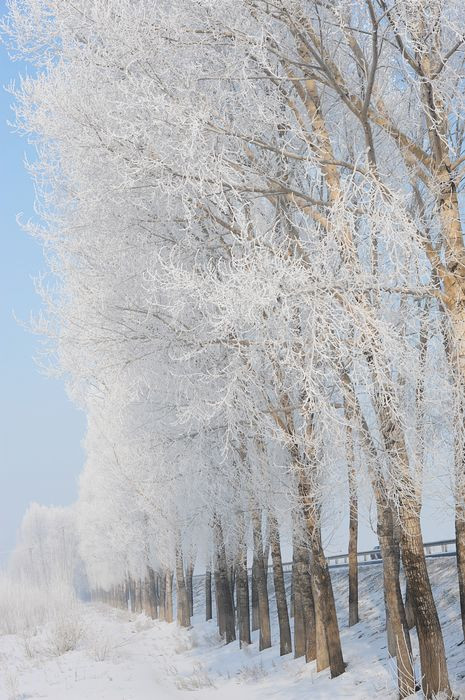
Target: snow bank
[(121, 656)]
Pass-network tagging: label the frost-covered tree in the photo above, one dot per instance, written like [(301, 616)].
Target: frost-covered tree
[(46, 552), (253, 217)]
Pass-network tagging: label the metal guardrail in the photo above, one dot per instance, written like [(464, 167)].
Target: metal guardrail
[(440, 548)]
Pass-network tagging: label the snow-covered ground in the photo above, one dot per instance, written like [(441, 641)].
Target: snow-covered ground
[(121, 656)]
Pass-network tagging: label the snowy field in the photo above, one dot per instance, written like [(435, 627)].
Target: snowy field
[(121, 656)]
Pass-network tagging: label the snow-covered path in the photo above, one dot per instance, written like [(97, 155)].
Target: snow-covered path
[(127, 657)]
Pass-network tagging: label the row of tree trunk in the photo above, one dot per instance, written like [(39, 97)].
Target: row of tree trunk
[(242, 601)]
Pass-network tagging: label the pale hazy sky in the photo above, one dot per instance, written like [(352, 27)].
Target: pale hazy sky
[(40, 430)]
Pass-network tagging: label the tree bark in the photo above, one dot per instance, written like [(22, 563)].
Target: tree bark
[(182, 596), (353, 565), (291, 605), (208, 595), (138, 596), (457, 360), (460, 549), (190, 587), (325, 607), (353, 520), (223, 591), (232, 585), (266, 556), (220, 619), (299, 628), (161, 595), (132, 594), (321, 642), (152, 592), (435, 679), (409, 615), (434, 672), (397, 630), (262, 589), (242, 588), (168, 596), (398, 637), (255, 613), (147, 598), (285, 644), (315, 646)]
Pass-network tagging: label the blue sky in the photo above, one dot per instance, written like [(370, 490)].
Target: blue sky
[(40, 430)]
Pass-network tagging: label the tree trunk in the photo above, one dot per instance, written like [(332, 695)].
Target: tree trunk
[(266, 556), (161, 595), (325, 603), (291, 606), (454, 297), (232, 585), (321, 642), (435, 678), (190, 587), (309, 616), (457, 360), (285, 644), (208, 595), (138, 596), (127, 595), (299, 628), (223, 591), (353, 565), (353, 519), (147, 598), (398, 637), (394, 579), (262, 589), (182, 596), (255, 613), (132, 594), (242, 588), (460, 548), (220, 619), (409, 615), (304, 597), (152, 592), (321, 582), (168, 596), (396, 623)]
